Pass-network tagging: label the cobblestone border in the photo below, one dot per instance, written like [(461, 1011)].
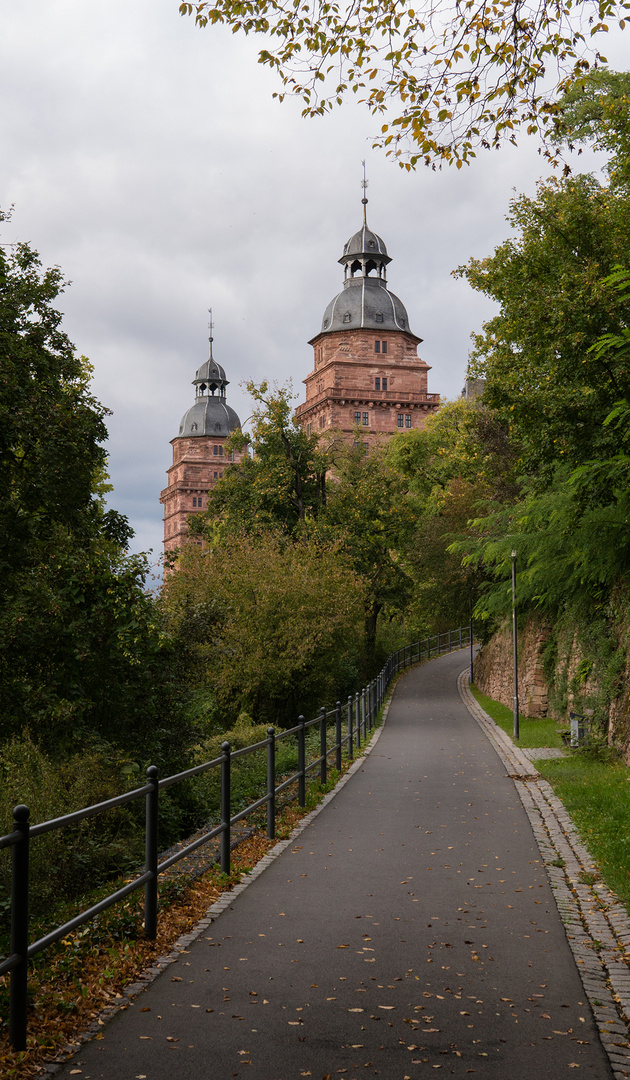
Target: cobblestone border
[(596, 923), (227, 898)]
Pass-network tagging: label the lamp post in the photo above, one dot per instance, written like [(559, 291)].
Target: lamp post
[(514, 646)]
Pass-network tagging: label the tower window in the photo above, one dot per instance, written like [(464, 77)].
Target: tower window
[(357, 417), (220, 451), (380, 346), (366, 419), (401, 419), (216, 475), (384, 384), (322, 421), (377, 383), (377, 346), (407, 419), (215, 449), (383, 346)]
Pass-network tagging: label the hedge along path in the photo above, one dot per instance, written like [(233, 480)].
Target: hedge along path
[(409, 926), (66, 1015)]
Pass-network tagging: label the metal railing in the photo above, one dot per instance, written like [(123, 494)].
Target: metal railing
[(360, 714)]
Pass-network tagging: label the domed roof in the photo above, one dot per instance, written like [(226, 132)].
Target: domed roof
[(365, 242), (365, 303), (211, 373), (209, 416)]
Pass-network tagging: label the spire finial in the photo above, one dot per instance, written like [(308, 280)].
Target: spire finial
[(364, 184), (210, 328)]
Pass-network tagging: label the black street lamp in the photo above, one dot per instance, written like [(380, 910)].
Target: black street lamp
[(514, 646)]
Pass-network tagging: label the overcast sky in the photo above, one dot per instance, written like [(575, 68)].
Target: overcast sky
[(148, 160)]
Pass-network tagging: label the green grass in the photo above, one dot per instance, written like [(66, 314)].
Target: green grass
[(596, 794), (532, 733)]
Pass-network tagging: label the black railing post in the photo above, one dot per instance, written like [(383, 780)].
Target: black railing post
[(357, 716), (428, 648), (271, 783), (226, 811), (151, 854), (322, 745), (364, 712), (19, 929), (460, 637), (301, 762), (350, 730), (338, 736)]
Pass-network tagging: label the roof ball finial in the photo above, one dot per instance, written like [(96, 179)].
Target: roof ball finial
[(364, 184), (210, 328)]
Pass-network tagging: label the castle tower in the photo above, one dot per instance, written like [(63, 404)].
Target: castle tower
[(199, 454), (367, 371)]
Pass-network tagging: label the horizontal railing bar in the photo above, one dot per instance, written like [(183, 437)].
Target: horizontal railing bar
[(168, 780), (285, 783), (309, 723), (85, 916), (172, 859), (249, 809), (289, 731), (11, 838), (88, 811), (10, 963), (248, 749)]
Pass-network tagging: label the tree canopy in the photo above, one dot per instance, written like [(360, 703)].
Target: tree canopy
[(80, 646), (445, 78)]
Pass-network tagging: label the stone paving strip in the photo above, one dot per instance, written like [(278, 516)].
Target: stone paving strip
[(596, 923)]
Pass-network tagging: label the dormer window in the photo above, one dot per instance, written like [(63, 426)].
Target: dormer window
[(378, 316), (347, 317)]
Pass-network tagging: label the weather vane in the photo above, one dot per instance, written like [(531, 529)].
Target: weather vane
[(364, 184), (210, 328)]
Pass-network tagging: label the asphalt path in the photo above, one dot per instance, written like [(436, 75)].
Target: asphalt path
[(409, 928)]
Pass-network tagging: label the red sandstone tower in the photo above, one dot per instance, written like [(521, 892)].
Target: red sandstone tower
[(367, 372), (199, 454)]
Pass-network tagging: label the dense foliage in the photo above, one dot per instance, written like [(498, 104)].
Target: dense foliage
[(444, 78)]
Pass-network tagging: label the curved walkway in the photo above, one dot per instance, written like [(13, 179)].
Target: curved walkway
[(410, 926)]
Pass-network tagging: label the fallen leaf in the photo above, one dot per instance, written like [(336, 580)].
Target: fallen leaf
[(147, 1008), (356, 1010), (387, 1006), (175, 978), (343, 946)]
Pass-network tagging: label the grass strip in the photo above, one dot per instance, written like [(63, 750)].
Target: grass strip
[(534, 733), (593, 791), (595, 794)]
